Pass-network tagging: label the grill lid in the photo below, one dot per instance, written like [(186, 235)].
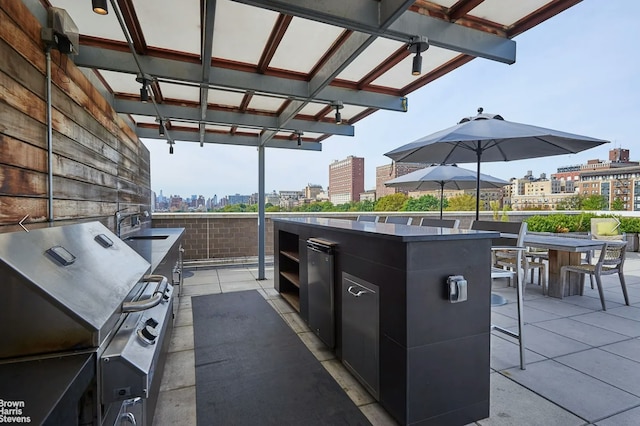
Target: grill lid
[(64, 286)]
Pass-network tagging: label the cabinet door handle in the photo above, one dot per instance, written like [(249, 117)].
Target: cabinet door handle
[(357, 293)]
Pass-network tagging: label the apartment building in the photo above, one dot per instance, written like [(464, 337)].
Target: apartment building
[(391, 171), (346, 180), (616, 184)]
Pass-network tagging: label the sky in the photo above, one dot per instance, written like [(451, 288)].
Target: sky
[(578, 72)]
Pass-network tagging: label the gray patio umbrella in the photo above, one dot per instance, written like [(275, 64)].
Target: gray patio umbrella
[(443, 176), (489, 137)]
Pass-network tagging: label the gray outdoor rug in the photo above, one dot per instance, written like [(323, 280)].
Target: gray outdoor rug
[(252, 369)]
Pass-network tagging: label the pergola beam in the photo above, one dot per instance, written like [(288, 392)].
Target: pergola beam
[(230, 118), (347, 52), (226, 139), (389, 19), (208, 18), (170, 69)]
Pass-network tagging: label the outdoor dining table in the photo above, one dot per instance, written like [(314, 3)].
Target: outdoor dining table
[(562, 251)]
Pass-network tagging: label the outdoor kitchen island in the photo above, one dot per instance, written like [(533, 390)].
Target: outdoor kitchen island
[(424, 357)]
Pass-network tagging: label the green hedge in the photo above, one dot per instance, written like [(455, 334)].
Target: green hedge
[(577, 223)]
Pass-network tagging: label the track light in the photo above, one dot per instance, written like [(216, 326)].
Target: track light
[(161, 128), (144, 94), (100, 7), (338, 106), (416, 69), (417, 45), (145, 80)]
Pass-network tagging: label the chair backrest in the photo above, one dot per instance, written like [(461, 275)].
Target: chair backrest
[(400, 220), (613, 254), (367, 218), (512, 233), (440, 223), (605, 228)]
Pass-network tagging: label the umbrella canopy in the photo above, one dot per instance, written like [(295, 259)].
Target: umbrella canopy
[(444, 176), (489, 137)]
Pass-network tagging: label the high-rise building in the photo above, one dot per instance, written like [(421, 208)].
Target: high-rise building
[(391, 171), (238, 199), (346, 180)]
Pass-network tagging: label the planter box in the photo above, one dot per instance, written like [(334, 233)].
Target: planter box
[(632, 242)]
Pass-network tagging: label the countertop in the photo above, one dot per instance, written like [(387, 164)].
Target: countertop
[(408, 233), (150, 244)]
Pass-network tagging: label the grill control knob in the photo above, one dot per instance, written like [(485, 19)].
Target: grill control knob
[(148, 334)]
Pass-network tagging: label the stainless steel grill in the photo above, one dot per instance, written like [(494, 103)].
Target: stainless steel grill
[(79, 289)]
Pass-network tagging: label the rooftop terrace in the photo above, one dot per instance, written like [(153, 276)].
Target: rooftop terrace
[(583, 364)]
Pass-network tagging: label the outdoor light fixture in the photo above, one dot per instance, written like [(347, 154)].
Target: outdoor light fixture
[(145, 80), (299, 138), (144, 94), (161, 128), (418, 45), (338, 106), (170, 148), (100, 7)]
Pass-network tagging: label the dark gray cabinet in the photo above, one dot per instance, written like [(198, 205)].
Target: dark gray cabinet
[(360, 330)]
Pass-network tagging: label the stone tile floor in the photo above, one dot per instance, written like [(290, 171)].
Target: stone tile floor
[(583, 364)]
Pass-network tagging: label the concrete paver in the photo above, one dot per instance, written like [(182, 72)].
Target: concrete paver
[(582, 362)]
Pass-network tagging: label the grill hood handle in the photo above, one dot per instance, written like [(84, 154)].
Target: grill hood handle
[(154, 300)]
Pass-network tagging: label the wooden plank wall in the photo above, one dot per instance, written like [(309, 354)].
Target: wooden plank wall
[(99, 164)]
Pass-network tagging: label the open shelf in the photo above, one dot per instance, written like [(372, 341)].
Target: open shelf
[(288, 260), (292, 299), (293, 255), (292, 277)]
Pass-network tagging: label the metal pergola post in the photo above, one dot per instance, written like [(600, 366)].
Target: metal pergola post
[(262, 230)]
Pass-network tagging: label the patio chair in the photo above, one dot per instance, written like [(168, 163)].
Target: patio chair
[(400, 220), (610, 261), (509, 252), (537, 255), (511, 239), (440, 223), (367, 218)]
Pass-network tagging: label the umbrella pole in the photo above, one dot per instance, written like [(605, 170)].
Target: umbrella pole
[(478, 154), (441, 197)]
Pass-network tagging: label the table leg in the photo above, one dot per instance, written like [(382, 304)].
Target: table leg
[(557, 259)]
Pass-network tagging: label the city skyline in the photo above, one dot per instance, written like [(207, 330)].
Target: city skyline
[(566, 77)]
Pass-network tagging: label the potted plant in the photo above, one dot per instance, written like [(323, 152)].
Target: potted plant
[(631, 227)]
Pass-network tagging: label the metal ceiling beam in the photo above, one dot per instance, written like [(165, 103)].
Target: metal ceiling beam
[(208, 18), (226, 139), (277, 33), (343, 56), (133, 25), (176, 112), (457, 38), (113, 60), (366, 16)]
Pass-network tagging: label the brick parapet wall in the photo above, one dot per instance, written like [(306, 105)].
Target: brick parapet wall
[(235, 235)]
